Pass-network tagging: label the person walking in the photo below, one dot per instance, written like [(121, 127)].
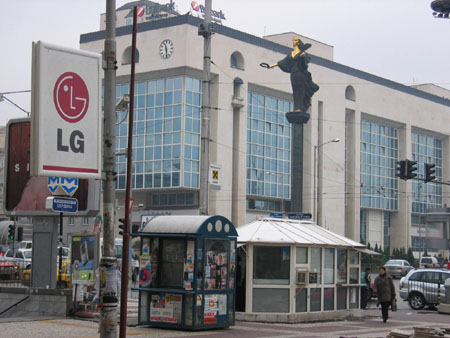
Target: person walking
[(385, 290), (365, 287)]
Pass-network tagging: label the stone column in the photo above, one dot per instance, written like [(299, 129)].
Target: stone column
[(297, 120)]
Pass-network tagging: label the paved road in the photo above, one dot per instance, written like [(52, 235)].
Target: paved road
[(367, 324)]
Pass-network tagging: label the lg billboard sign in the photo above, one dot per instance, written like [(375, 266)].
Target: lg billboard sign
[(66, 119)]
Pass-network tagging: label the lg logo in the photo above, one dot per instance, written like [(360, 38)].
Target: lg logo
[(71, 98)]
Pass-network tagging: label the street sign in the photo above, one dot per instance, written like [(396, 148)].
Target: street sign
[(62, 185), (299, 215), (276, 215), (61, 204), (66, 120), (215, 177)]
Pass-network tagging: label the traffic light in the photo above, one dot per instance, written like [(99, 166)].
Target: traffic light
[(401, 169), (411, 169), (123, 226), (11, 231), (19, 234), (429, 172)]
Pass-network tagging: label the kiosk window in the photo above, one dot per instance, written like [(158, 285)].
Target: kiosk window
[(172, 263), (341, 277), (271, 265), (216, 269)]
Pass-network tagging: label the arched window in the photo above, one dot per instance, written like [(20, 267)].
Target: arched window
[(350, 93), (237, 61), (126, 56)]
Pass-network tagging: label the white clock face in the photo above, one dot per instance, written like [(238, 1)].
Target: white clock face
[(166, 49)]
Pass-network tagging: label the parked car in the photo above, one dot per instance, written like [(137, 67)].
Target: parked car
[(9, 271), (66, 281), (22, 258), (428, 262), (25, 245), (398, 267), (3, 249), (423, 287)]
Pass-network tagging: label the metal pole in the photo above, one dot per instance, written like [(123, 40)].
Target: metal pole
[(318, 185), (60, 249), (108, 264), (126, 232), (315, 178), (205, 132)]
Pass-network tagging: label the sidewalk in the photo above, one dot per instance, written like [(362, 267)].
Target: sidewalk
[(367, 325)]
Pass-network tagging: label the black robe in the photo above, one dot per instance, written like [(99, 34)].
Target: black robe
[(303, 87)]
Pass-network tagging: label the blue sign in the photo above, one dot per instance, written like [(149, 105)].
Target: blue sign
[(69, 185), (276, 215), (53, 184), (61, 204), (62, 185), (299, 215)]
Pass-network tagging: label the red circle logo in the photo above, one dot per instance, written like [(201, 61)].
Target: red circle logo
[(195, 6), (71, 97), (140, 11)]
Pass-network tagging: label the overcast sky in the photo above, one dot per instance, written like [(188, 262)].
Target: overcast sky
[(396, 39)]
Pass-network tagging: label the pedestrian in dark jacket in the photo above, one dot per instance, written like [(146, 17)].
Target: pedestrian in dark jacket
[(385, 291)]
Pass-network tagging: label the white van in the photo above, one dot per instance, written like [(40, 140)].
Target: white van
[(428, 262)]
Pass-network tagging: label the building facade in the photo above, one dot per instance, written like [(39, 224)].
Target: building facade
[(350, 186)]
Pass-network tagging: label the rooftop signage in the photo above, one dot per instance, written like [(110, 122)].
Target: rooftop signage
[(156, 11), (201, 9)]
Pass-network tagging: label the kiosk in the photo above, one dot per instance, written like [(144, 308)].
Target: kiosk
[(187, 272)]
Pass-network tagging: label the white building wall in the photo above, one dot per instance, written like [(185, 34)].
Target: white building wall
[(376, 99)]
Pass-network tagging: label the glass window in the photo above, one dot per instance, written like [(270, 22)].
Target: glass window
[(270, 300), (316, 262), (341, 277), (328, 299), (328, 263), (315, 301), (341, 299), (159, 122), (354, 298), (266, 141), (379, 148), (271, 265), (354, 275), (301, 300), (172, 263), (301, 255), (354, 257)]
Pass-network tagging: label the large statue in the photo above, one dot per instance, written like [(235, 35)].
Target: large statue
[(296, 63)]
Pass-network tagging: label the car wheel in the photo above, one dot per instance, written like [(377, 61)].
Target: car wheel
[(416, 301), (62, 284)]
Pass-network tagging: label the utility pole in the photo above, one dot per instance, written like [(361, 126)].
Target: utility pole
[(126, 232), (205, 30), (108, 263)]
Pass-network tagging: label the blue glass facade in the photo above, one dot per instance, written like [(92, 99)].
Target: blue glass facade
[(379, 153), (426, 149), (166, 134), (268, 147)]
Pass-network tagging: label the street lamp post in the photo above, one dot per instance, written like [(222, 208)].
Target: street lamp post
[(316, 177)]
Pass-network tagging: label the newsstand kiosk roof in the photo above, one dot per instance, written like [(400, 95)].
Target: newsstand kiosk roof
[(199, 225)]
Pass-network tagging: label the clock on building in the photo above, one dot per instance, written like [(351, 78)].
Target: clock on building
[(166, 49)]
